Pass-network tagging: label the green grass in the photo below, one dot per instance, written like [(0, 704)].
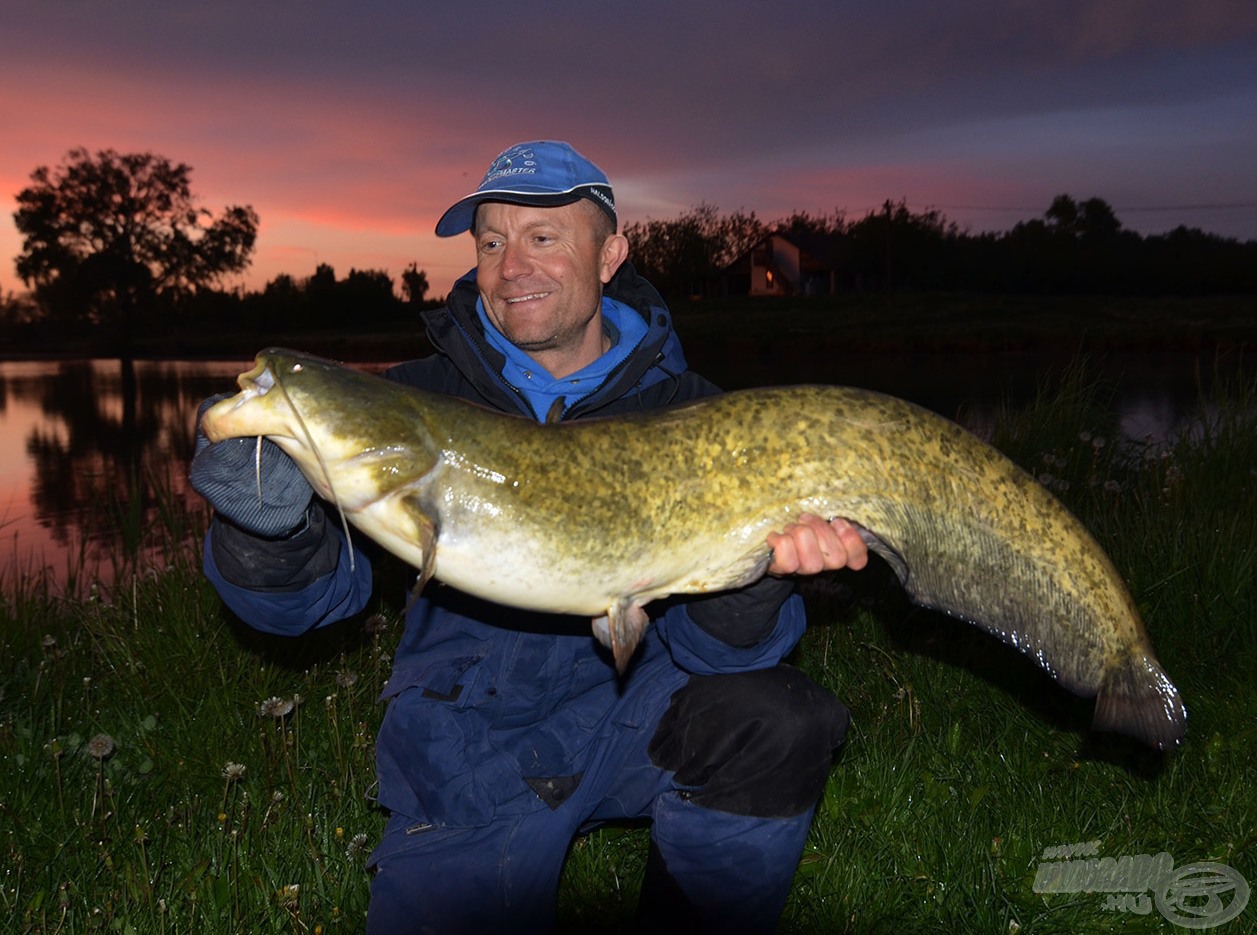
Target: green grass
[(217, 810)]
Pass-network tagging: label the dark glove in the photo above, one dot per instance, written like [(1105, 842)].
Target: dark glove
[(227, 474)]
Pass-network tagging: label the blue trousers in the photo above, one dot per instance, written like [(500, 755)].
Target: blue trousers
[(719, 779)]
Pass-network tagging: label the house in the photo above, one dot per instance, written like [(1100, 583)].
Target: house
[(787, 263)]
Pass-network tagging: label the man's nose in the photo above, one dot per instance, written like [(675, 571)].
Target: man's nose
[(515, 261)]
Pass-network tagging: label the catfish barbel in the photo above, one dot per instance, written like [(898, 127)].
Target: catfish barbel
[(599, 517)]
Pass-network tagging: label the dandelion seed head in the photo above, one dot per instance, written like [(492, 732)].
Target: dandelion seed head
[(346, 678), (234, 771), (100, 746), (275, 707), (48, 642), (375, 623)]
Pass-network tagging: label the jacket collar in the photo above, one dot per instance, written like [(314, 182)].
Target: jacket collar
[(455, 330)]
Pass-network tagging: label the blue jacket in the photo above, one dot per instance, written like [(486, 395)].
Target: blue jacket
[(543, 688)]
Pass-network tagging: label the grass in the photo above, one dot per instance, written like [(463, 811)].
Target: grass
[(166, 769)]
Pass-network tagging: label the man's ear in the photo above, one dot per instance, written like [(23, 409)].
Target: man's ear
[(614, 252)]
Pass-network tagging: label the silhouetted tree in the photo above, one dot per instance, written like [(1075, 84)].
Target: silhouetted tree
[(110, 236), (414, 284), (801, 222), (677, 255)]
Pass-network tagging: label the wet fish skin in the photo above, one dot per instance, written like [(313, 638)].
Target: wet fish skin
[(601, 516)]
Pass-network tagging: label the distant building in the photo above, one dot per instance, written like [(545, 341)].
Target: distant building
[(788, 263)]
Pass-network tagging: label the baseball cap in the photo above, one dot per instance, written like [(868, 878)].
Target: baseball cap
[(545, 173)]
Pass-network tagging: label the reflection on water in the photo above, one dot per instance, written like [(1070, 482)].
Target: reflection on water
[(93, 460), (91, 456)]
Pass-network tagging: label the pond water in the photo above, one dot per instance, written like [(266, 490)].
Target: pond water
[(87, 449)]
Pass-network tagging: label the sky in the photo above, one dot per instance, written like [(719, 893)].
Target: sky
[(350, 127)]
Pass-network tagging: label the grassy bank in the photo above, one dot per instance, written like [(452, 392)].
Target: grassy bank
[(168, 770)]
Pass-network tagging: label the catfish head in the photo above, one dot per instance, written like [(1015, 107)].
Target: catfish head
[(355, 437)]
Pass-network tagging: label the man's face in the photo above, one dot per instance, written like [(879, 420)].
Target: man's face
[(540, 272)]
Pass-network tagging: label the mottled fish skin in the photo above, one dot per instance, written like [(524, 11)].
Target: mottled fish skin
[(601, 516)]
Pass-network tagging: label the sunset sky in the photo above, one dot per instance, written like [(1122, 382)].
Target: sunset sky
[(350, 127)]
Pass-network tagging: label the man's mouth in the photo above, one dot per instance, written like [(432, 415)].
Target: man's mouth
[(526, 298)]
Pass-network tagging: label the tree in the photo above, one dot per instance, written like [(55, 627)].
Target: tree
[(414, 284), (108, 236), (677, 255)]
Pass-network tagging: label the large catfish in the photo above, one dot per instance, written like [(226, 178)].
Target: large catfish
[(600, 517)]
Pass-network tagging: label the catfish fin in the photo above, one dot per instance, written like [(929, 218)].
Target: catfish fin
[(621, 630), (1137, 699), (878, 545), (426, 533)]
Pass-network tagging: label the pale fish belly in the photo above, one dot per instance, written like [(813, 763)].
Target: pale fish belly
[(531, 572)]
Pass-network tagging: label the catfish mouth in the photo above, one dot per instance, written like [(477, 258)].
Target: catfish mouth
[(258, 381), (218, 420)]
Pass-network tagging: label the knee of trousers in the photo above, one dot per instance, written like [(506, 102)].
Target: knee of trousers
[(752, 743)]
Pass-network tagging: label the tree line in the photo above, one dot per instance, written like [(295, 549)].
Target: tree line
[(116, 245), (1076, 247)]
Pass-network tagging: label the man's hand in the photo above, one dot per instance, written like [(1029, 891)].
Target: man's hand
[(261, 491), (811, 545)]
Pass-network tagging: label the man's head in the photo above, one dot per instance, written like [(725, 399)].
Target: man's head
[(544, 226)]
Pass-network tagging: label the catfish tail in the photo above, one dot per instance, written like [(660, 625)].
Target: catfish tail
[(1136, 698)]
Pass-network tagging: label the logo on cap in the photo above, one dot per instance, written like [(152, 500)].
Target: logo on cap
[(504, 165)]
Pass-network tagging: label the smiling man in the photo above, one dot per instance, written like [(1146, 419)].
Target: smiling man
[(508, 733)]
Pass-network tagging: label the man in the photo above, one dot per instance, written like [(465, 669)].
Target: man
[(507, 732)]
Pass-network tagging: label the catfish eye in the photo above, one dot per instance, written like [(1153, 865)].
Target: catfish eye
[(296, 368)]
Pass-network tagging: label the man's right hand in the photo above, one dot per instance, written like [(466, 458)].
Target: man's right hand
[(267, 499)]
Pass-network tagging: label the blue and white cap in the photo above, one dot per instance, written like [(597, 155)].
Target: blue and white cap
[(543, 173)]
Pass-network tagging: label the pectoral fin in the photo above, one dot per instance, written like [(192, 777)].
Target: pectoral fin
[(425, 533), (621, 630)]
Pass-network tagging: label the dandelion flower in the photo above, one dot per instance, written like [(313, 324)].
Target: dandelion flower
[(375, 623), (100, 746), (357, 844), (346, 678), (233, 772)]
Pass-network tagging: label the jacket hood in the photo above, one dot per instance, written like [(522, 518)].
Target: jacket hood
[(456, 331)]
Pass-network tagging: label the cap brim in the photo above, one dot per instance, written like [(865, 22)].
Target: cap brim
[(462, 213)]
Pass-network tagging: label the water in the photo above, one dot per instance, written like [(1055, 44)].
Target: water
[(79, 458), (86, 451)]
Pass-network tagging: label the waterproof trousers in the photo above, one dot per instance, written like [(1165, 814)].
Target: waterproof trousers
[(729, 780)]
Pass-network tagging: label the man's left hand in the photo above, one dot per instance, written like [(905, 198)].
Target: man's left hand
[(811, 545)]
